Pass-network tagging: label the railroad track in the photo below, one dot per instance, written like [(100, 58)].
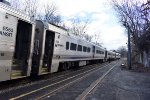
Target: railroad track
[(57, 85), (18, 83), (85, 93), (94, 85), (51, 80)]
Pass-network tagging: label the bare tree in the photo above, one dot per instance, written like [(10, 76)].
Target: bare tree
[(87, 37), (123, 51), (97, 39), (15, 4), (31, 7), (51, 16), (133, 17), (79, 28), (128, 16)]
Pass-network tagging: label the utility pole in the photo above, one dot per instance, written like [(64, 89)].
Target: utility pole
[(129, 50)]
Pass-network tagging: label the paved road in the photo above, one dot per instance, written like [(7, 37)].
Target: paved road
[(123, 85)]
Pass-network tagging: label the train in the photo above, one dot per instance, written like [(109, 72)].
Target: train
[(30, 47)]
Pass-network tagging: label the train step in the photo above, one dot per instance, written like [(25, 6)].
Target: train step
[(15, 67), (44, 69), (16, 64), (16, 73)]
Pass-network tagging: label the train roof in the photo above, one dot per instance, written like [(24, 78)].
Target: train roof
[(63, 31), (14, 12), (79, 38), (54, 28)]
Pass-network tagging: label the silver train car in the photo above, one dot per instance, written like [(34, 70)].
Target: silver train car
[(55, 49), (29, 47), (16, 43)]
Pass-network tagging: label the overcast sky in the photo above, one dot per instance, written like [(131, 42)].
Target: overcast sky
[(103, 20)]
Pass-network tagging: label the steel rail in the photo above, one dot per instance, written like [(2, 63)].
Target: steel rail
[(34, 91)]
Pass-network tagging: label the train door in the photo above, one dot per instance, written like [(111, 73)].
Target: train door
[(93, 51), (105, 55), (48, 51), (20, 63), (38, 44)]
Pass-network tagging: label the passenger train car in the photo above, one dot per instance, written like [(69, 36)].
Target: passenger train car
[(16, 43), (32, 47), (56, 49)]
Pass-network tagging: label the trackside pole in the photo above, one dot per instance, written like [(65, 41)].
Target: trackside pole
[(129, 50)]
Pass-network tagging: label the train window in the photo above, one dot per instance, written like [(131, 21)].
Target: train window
[(101, 52), (84, 49), (67, 45), (79, 48), (97, 51), (89, 49), (73, 46)]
